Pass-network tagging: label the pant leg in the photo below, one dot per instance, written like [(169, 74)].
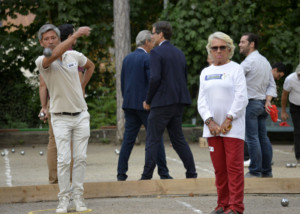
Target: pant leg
[(266, 146), (51, 152), (235, 172), (295, 113), (157, 121), (62, 129), (253, 110), (162, 168), (80, 137), (217, 155), (179, 143), (132, 127)]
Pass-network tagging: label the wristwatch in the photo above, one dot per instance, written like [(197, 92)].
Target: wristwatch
[(208, 120)]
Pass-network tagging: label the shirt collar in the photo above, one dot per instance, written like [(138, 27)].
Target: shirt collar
[(162, 42), (142, 49)]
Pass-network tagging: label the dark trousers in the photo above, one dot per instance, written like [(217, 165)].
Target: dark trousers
[(295, 113), (133, 121), (246, 152), (169, 117)]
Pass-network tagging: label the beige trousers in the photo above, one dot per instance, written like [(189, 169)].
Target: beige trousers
[(52, 153)]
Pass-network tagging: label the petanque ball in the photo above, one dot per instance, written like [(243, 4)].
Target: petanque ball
[(2, 153), (22, 153), (284, 202), (12, 150), (47, 52), (41, 153)]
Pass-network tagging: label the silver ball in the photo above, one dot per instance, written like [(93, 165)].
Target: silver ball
[(117, 151), (284, 202), (41, 153), (22, 153), (2, 153), (47, 52), (13, 150)]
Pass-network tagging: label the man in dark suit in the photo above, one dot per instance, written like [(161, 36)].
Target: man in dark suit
[(134, 85), (167, 95)]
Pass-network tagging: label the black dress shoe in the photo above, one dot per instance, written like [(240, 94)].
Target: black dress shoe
[(166, 177)]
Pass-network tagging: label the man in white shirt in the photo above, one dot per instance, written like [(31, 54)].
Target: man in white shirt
[(291, 90), (261, 88), (69, 116), (278, 71)]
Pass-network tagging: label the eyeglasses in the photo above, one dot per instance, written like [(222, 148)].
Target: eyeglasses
[(216, 48), (152, 33)]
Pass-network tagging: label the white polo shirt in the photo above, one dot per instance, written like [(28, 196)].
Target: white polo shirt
[(63, 82), (292, 85)]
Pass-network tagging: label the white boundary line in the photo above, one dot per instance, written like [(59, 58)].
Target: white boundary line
[(195, 210), (282, 152), (197, 167), (7, 169)]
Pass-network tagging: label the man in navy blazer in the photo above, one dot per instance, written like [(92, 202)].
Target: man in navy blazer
[(167, 95), (134, 86)]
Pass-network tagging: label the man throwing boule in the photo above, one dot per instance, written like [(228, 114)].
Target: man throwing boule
[(69, 116)]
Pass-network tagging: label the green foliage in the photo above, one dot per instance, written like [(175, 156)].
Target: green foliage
[(193, 21)]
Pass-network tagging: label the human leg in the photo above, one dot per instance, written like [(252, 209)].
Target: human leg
[(132, 127), (295, 113), (253, 110), (80, 137), (157, 121), (178, 141), (217, 155), (162, 168), (52, 155), (266, 146), (235, 172), (62, 129)]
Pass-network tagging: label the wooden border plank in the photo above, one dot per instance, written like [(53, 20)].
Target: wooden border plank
[(199, 186)]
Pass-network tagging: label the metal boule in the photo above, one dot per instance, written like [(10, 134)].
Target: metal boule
[(13, 150), (284, 202), (47, 52), (117, 151), (22, 153), (41, 153), (2, 153)]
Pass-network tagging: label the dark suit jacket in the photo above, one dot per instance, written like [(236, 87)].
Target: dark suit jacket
[(135, 79), (168, 77)]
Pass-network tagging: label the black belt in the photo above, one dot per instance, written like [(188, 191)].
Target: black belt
[(68, 113)]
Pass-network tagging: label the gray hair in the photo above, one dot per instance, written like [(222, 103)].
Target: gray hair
[(142, 37), (47, 27), (221, 36)]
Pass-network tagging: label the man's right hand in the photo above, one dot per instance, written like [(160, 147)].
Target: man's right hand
[(146, 106), (82, 31), (284, 115)]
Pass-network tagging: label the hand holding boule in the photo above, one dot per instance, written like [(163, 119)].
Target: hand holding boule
[(47, 52)]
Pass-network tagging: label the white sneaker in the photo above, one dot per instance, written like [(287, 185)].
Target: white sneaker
[(63, 205), (79, 204), (246, 163)]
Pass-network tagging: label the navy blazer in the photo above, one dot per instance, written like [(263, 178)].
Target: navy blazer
[(135, 79), (168, 77)]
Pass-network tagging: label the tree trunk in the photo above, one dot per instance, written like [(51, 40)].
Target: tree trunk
[(122, 48)]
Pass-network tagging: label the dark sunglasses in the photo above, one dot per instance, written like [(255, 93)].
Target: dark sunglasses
[(215, 48)]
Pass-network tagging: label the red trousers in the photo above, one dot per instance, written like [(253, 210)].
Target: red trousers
[(227, 155)]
